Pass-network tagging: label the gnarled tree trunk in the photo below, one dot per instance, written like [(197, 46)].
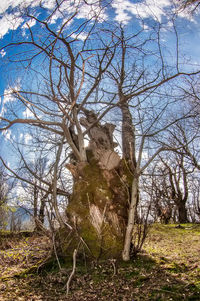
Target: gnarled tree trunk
[(98, 208)]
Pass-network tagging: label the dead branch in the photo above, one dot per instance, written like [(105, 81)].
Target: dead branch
[(73, 271)]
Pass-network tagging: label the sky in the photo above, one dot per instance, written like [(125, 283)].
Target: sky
[(122, 11), (128, 12), (131, 13)]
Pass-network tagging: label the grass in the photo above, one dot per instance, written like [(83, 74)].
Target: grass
[(167, 269)]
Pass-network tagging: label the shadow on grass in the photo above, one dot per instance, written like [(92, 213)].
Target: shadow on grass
[(140, 279)]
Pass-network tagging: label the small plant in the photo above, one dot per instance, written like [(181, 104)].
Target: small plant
[(140, 233)]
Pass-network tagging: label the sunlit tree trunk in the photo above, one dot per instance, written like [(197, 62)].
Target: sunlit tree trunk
[(131, 220)]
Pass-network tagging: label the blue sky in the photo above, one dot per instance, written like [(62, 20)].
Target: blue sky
[(143, 13), (133, 14), (129, 12)]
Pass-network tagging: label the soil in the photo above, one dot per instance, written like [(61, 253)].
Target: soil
[(168, 268)]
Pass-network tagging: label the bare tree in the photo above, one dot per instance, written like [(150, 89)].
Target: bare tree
[(171, 189), (191, 4), (137, 91), (194, 208), (4, 187), (73, 97), (35, 178)]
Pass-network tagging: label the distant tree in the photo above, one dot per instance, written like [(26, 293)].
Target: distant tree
[(194, 208), (177, 169), (4, 187), (157, 189), (176, 189), (35, 180)]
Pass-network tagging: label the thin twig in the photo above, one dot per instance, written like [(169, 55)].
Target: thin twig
[(55, 251), (114, 264), (73, 271)]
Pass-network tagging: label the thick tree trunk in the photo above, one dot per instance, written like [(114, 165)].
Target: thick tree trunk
[(99, 206), (182, 213), (98, 209)]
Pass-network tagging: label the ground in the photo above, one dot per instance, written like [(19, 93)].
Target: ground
[(168, 268)]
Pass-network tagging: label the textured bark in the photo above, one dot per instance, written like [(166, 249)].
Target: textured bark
[(128, 135), (41, 211), (182, 213), (101, 136), (131, 220), (98, 207)]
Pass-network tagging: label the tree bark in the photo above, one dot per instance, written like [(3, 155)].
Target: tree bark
[(98, 208), (131, 220), (182, 213), (128, 136)]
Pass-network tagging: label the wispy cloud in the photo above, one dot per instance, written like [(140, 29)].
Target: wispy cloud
[(8, 93), (30, 23), (81, 36), (27, 113), (12, 20), (3, 53), (9, 22), (25, 138), (125, 11), (8, 97), (7, 134)]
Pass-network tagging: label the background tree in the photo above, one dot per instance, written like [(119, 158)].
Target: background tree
[(172, 194), (4, 188), (34, 181), (194, 209)]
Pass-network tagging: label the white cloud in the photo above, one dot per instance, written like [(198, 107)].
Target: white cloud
[(125, 10), (27, 113), (65, 9), (7, 134), (20, 192), (8, 97), (27, 138), (49, 4), (3, 53), (27, 25), (91, 10), (81, 36), (8, 93), (5, 4), (9, 22), (84, 10), (30, 23), (3, 110), (146, 9)]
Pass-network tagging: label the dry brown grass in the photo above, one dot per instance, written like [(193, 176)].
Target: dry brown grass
[(167, 269)]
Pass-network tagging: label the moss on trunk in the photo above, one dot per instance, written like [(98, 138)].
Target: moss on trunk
[(98, 210)]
